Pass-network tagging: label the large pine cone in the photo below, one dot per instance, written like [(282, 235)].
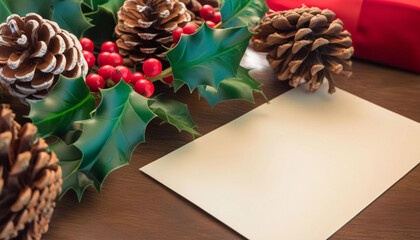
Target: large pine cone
[(33, 54), (30, 180), (145, 27), (305, 44)]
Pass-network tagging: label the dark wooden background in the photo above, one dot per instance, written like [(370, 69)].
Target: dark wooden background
[(134, 206)]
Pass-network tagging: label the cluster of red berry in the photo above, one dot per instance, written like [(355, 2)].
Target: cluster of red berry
[(207, 12), (211, 17), (111, 67)]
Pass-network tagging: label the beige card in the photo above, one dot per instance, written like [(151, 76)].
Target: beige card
[(297, 168)]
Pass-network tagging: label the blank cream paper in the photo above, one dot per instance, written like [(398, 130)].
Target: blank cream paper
[(297, 168)]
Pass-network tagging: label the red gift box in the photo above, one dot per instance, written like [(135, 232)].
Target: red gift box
[(384, 31)]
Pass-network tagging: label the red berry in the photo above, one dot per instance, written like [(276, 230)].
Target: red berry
[(176, 35), (169, 79), (87, 44), (207, 12), (217, 17), (144, 87), (94, 82), (103, 58), (89, 57), (189, 28), (109, 47), (105, 71), (152, 67), (211, 24), (136, 76), (121, 72), (115, 59)]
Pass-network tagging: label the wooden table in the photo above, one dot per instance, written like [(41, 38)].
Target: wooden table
[(134, 206)]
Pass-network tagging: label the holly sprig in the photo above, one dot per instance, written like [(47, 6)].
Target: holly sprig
[(93, 141)]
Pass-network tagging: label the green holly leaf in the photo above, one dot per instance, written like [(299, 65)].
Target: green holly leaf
[(208, 56), (88, 3), (221, 2), (104, 18), (109, 6), (67, 13), (70, 100), (242, 12), (69, 16), (110, 136), (104, 23), (241, 88), (113, 6), (174, 113), (23, 7), (70, 158), (4, 12)]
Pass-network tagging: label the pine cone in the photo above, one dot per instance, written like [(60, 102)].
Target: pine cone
[(33, 54), (30, 180), (305, 44), (145, 27), (193, 8)]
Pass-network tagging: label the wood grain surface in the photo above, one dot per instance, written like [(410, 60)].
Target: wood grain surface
[(134, 206)]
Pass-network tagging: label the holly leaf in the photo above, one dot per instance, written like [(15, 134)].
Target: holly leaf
[(70, 100), (23, 7), (4, 12), (113, 6), (208, 56), (221, 2), (104, 26), (67, 13), (69, 16), (70, 158), (104, 17), (174, 113), (88, 3), (110, 136), (242, 12), (241, 88)]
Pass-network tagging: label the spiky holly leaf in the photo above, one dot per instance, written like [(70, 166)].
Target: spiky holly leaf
[(70, 158), (104, 17), (241, 88), (208, 56), (70, 100), (67, 13), (174, 113), (110, 136), (242, 12), (69, 16), (4, 11), (221, 2), (88, 3), (23, 7), (113, 6), (104, 23)]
